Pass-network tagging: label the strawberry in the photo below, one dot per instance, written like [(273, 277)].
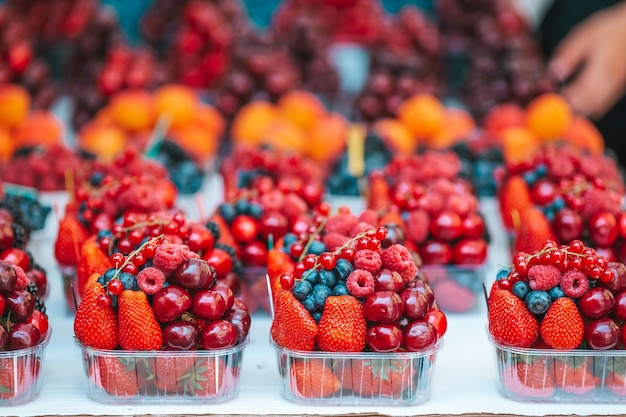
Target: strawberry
[(380, 377), (292, 327), (378, 193), (417, 225), (574, 375), (343, 326), (514, 198), (533, 379), (12, 375), (70, 237), (226, 237), (533, 232), (311, 378), (277, 263), (94, 325), (92, 260), (138, 328), (562, 327), (615, 378), (510, 323), (117, 376), (170, 372), (208, 378)]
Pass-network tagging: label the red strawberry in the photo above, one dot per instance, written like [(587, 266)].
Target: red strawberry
[(380, 377), (94, 325), (533, 380), (209, 378), (562, 327), (313, 379), (277, 263), (12, 377), (615, 378), (92, 260), (69, 239), (417, 226), (170, 372), (138, 328), (533, 232), (343, 326), (514, 198), (117, 376), (292, 327), (575, 375), (378, 193), (510, 323)]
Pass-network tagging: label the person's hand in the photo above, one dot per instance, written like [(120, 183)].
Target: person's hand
[(593, 58)]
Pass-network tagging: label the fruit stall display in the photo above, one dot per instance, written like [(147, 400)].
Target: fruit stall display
[(556, 318)]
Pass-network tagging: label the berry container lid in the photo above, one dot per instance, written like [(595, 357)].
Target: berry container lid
[(561, 376), (458, 288), (167, 377), (356, 378), (20, 373)]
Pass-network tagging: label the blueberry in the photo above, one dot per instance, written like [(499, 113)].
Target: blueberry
[(556, 292), (242, 207), (343, 268), (129, 280), (541, 170), (100, 280), (317, 315), (327, 278), (520, 289), (530, 177), (289, 239), (316, 248), (558, 203), (320, 294), (308, 304), (113, 301), (96, 178), (312, 276), (302, 289), (108, 275), (104, 233), (227, 211), (255, 210), (340, 289), (538, 302), (503, 273)]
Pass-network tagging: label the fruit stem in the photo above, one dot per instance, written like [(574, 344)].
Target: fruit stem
[(130, 256), (312, 238)]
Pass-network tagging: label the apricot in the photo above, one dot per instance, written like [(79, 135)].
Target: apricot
[(519, 144), (209, 117), (458, 125), (283, 134), (327, 138), (396, 135), (7, 145), (104, 141), (14, 105), (196, 139), (132, 110), (423, 114), (549, 116), (583, 134), (504, 116), (252, 122), (302, 108), (177, 102), (41, 127)]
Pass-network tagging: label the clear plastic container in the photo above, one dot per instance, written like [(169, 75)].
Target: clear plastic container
[(555, 376), (457, 287), (132, 377), (70, 287), (20, 373), (355, 379), (253, 289)]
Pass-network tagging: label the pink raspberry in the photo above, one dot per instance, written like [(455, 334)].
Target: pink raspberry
[(294, 206), (543, 277), (369, 216), (22, 278), (168, 257), (150, 280), (368, 260), (334, 240), (398, 258), (574, 283), (360, 227), (360, 283), (340, 223), (417, 224)]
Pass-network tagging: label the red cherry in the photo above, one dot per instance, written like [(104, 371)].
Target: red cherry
[(621, 221), (470, 252), (40, 321), (384, 337), (602, 334), (473, 226), (603, 228), (596, 303), (170, 302), (200, 239), (17, 257), (218, 334), (543, 192), (254, 254), (446, 225), (220, 260), (438, 319), (244, 228), (273, 223), (419, 335), (567, 225), (435, 253)]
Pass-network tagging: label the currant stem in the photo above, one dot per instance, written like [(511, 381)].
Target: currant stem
[(133, 253)]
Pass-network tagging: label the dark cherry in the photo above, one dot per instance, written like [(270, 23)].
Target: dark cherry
[(436, 253), (8, 279), (6, 234), (596, 303), (618, 283), (415, 303), (619, 311), (241, 320), (273, 223), (240, 305), (383, 307), (23, 335), (470, 252), (218, 334), (425, 289), (195, 274), (386, 280), (602, 334), (40, 279), (226, 293), (384, 337), (567, 225), (395, 235), (180, 336), (419, 335), (21, 304), (17, 257), (473, 226), (207, 304), (254, 254), (4, 337), (170, 302), (446, 225)]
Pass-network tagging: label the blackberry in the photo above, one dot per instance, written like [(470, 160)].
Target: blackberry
[(214, 229), (20, 234), (39, 304), (228, 249)]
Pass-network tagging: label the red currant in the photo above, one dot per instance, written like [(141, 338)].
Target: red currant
[(344, 210), (347, 254), (135, 236), (362, 243), (139, 259), (296, 250), (179, 219), (374, 244), (131, 268), (104, 301), (327, 260), (117, 230), (607, 275), (298, 270), (577, 246), (323, 208), (505, 284), (149, 250), (521, 267), (117, 259), (309, 261), (125, 246), (115, 286), (129, 219), (576, 263), (105, 244), (381, 233), (286, 281)]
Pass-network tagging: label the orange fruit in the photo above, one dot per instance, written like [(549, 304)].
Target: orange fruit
[(177, 102), (41, 127), (104, 141), (283, 134), (132, 110), (302, 108), (548, 116), (252, 122), (196, 139), (327, 138), (211, 119), (14, 105), (583, 134), (7, 145), (519, 144), (503, 116), (423, 114), (396, 135), (458, 125)]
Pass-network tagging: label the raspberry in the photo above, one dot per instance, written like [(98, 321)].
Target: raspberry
[(22, 279), (574, 283), (140, 198), (398, 258), (150, 280), (417, 224), (593, 202), (360, 227), (360, 283), (543, 277), (168, 257), (561, 168), (294, 206), (334, 240), (367, 259), (340, 223), (369, 216)]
